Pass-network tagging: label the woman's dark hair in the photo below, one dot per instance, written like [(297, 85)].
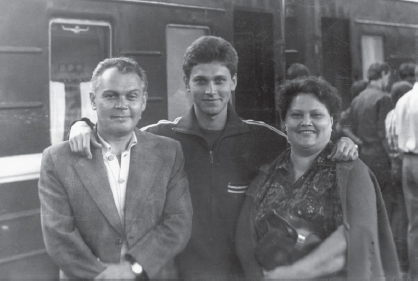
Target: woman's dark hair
[(326, 94), (209, 49)]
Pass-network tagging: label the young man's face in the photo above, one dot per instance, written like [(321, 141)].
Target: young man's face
[(211, 85), (119, 101)]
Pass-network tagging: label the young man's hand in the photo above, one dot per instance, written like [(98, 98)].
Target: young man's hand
[(80, 137), (344, 150)]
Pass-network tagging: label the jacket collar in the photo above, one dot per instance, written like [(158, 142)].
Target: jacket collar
[(188, 124)]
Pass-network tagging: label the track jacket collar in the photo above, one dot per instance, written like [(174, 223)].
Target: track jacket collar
[(188, 124)]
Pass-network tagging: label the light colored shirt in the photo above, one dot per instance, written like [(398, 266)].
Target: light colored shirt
[(407, 121), (391, 136), (118, 177)]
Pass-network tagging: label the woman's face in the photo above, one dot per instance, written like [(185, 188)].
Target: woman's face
[(308, 124)]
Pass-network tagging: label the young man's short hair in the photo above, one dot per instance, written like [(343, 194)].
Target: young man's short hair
[(123, 65), (376, 69), (399, 89), (208, 49), (407, 70)]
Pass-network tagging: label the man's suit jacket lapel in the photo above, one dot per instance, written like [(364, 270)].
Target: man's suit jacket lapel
[(143, 168), (92, 173)]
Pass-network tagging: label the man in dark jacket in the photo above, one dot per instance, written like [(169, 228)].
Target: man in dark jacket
[(368, 112), (223, 154)]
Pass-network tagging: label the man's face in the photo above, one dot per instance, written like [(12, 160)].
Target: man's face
[(211, 85), (119, 101)]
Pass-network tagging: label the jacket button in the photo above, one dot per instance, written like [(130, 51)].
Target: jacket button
[(347, 226), (119, 241)]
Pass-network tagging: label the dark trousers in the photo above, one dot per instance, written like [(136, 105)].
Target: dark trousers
[(399, 221), (410, 189), (375, 157)]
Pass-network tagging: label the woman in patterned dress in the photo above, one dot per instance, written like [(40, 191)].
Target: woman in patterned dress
[(342, 200)]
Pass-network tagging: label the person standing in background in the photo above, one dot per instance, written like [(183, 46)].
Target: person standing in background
[(400, 218), (406, 112), (367, 122), (297, 70), (407, 72), (342, 126)]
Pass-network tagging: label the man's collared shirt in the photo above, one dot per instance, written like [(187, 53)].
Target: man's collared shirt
[(118, 177), (117, 174), (407, 121)]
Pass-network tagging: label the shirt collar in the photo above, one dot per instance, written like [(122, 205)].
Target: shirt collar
[(107, 148)]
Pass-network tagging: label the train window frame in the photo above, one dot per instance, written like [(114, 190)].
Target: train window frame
[(55, 133), (178, 101)]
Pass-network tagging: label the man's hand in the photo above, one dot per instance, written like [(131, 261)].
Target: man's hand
[(80, 137), (117, 271), (344, 150)]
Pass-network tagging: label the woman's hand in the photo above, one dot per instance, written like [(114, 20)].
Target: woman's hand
[(328, 258), (80, 137)]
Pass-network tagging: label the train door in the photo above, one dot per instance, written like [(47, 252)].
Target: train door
[(336, 55), (253, 40), (179, 37), (76, 47)]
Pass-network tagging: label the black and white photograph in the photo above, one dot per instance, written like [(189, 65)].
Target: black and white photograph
[(208, 140)]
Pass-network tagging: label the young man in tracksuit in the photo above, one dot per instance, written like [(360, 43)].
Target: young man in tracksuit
[(223, 153)]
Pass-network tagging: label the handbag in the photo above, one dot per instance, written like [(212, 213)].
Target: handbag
[(287, 239)]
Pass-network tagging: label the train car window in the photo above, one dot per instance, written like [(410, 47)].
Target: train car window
[(371, 51), (76, 47), (179, 37)]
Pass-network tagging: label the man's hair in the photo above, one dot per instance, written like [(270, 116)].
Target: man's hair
[(123, 65), (399, 89), (407, 70), (209, 49), (326, 94), (376, 69), (297, 70)]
